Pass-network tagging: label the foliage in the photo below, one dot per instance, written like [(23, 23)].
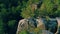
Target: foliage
[(23, 32), (29, 8), (11, 11), (9, 16), (11, 23), (1, 27), (32, 31), (48, 8)]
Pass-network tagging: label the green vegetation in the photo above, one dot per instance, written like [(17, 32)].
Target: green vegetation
[(32, 31), (48, 8), (23, 32), (11, 11)]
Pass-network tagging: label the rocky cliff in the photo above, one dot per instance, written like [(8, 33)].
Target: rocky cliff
[(32, 25)]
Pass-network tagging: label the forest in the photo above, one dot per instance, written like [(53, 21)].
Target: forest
[(11, 11)]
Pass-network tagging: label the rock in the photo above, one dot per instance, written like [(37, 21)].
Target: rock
[(30, 23), (40, 24), (58, 20), (51, 25), (22, 25), (46, 32)]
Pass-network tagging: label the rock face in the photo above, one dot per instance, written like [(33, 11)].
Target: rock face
[(25, 24), (58, 20), (46, 32), (51, 24), (22, 25), (31, 24)]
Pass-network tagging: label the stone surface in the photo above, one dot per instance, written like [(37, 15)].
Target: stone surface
[(58, 20), (46, 32), (31, 23), (22, 25), (26, 24)]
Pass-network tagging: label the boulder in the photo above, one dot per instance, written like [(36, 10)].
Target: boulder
[(28, 24), (31, 24), (58, 20), (22, 25)]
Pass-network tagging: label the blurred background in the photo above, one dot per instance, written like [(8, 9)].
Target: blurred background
[(11, 11)]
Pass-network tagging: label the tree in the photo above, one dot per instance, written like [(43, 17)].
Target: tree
[(47, 8), (29, 8), (9, 12), (1, 27)]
